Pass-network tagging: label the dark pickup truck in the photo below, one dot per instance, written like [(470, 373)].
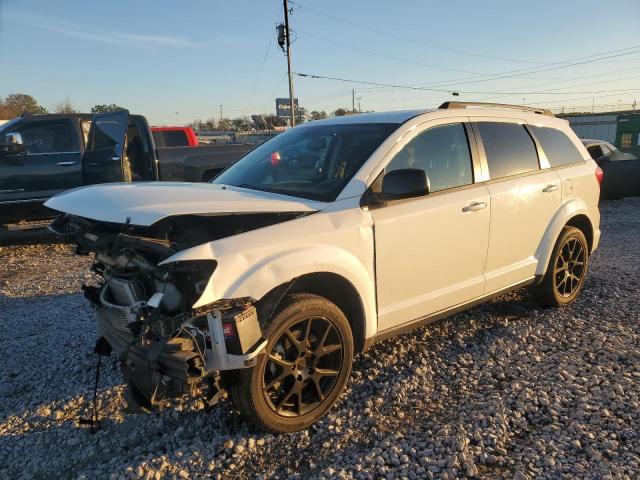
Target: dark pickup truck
[(43, 155)]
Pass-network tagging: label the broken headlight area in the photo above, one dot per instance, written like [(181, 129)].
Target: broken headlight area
[(144, 311), (166, 355)]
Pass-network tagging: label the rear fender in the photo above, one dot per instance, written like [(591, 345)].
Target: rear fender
[(570, 209)]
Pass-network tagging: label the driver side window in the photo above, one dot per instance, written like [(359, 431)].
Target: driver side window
[(442, 152)]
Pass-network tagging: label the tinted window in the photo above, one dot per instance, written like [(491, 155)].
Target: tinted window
[(595, 151), (442, 152), (314, 161), (175, 138), (557, 146), (170, 138), (48, 137), (107, 133), (509, 149)]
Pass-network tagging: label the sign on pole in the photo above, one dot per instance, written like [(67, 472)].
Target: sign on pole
[(283, 107)]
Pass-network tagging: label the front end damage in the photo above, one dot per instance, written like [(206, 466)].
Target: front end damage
[(166, 348)]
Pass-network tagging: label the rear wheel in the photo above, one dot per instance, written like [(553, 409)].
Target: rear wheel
[(304, 369), (567, 269)]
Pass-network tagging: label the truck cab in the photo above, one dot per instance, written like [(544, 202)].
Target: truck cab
[(43, 155)]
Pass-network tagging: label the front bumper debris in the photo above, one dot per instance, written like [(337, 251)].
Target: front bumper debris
[(165, 357)]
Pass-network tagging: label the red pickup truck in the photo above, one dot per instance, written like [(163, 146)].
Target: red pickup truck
[(174, 137)]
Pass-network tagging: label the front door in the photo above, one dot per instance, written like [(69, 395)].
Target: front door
[(49, 163), (104, 159), (430, 251)]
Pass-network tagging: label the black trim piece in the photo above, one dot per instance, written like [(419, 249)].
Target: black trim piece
[(434, 317), (28, 200)]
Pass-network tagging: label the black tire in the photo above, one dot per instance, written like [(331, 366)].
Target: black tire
[(309, 353), (567, 269)]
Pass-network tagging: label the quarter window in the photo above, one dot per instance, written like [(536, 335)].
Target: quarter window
[(509, 149), (595, 151), (48, 137), (558, 148), (442, 152)]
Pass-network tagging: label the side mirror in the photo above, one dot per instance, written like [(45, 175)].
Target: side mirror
[(12, 143), (404, 183)]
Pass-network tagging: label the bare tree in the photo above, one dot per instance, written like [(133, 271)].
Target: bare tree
[(65, 106)]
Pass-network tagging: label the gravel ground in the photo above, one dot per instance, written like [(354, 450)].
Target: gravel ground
[(506, 390)]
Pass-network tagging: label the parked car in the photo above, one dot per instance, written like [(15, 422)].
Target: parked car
[(174, 136), (621, 169), (267, 281), (43, 155)]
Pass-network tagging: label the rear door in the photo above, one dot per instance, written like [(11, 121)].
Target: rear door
[(524, 199), (103, 160), (49, 164)]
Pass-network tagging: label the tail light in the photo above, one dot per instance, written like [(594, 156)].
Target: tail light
[(599, 175)]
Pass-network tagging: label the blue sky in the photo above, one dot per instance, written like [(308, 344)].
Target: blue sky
[(162, 57)]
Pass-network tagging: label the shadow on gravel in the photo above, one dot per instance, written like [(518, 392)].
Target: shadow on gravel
[(28, 237)]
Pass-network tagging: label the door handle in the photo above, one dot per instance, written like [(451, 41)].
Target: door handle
[(115, 159), (551, 188), (474, 207), (66, 164)]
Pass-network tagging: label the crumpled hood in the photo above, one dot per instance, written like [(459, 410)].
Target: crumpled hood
[(145, 203)]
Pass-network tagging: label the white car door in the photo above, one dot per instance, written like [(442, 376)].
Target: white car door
[(524, 199), (430, 251)]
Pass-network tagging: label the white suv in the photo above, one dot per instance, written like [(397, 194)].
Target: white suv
[(325, 239)]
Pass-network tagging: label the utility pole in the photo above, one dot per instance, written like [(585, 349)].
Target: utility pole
[(288, 43), (220, 121), (353, 100)]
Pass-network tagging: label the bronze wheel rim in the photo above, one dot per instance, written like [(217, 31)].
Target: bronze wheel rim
[(302, 366), (568, 271)]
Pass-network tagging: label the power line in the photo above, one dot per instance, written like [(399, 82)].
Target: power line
[(384, 55), (264, 59), (417, 42), (411, 87), (522, 72)]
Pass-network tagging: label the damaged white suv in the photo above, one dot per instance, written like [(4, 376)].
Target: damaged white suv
[(327, 238)]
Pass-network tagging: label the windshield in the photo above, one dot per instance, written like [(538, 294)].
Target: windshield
[(5, 127), (313, 162)]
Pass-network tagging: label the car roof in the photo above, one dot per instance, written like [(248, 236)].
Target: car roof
[(395, 116), (594, 141), (56, 116), (402, 116)]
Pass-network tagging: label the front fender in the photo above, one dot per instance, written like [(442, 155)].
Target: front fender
[(569, 209), (246, 275)]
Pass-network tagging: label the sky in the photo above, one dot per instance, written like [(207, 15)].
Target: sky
[(177, 61)]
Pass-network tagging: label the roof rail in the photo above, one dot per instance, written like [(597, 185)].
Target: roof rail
[(540, 111)]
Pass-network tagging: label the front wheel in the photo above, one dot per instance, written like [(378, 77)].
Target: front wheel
[(567, 269), (304, 369)]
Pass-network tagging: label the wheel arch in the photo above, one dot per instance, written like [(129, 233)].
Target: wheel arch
[(575, 214)]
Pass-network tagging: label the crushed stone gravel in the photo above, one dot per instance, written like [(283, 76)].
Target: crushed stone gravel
[(505, 390)]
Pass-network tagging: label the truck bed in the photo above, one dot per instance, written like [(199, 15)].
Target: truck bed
[(198, 164)]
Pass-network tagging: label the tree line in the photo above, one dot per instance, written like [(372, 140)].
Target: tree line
[(16, 104)]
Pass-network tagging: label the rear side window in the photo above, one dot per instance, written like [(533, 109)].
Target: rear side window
[(509, 149), (171, 138), (595, 151), (558, 148), (442, 152)]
